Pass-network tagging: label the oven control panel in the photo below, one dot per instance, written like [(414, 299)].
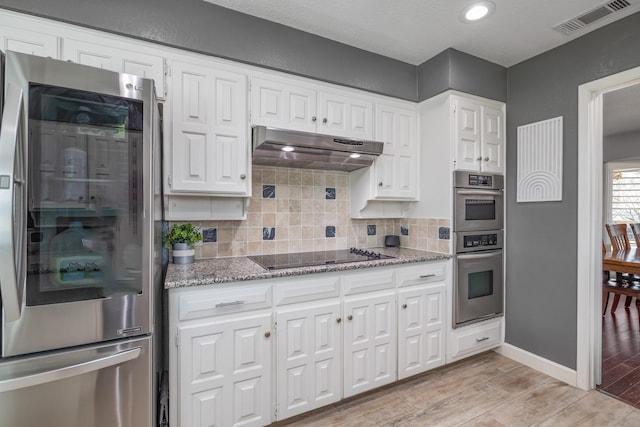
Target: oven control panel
[(465, 179), (477, 240), (480, 180), (472, 241)]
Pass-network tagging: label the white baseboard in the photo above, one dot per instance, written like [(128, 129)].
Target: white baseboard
[(553, 369)]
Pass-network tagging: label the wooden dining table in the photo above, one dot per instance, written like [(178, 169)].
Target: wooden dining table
[(627, 262)]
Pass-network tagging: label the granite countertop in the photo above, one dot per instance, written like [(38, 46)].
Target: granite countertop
[(236, 269)]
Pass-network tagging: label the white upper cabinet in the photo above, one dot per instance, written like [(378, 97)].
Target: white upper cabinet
[(279, 104), (294, 104), (112, 55), (478, 135), (396, 174), (344, 114), (27, 41), (209, 152)]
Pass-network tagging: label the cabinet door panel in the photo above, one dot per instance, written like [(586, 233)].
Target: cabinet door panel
[(493, 140), (282, 104), (209, 146), (369, 342), (309, 354), (467, 134), (346, 116), (29, 42), (224, 372), (421, 328)]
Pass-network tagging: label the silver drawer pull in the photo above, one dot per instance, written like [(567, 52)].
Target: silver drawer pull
[(424, 276), (226, 304), (482, 339)]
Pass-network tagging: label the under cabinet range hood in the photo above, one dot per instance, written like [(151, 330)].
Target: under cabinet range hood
[(293, 149)]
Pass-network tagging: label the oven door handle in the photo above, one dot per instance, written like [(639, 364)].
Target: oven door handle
[(479, 192), (13, 196), (488, 254)]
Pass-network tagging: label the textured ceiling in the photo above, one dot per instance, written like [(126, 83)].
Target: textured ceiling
[(414, 31)]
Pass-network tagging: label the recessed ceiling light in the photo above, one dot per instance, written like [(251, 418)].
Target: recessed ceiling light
[(354, 155), (287, 148), (477, 11)]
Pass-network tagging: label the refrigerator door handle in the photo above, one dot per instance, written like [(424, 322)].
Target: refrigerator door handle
[(13, 198), (69, 371)]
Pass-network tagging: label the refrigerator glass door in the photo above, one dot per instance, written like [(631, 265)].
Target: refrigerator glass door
[(84, 208), (107, 385), (85, 195)]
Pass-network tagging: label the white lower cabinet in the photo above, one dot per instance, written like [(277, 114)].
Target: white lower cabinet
[(308, 357), (421, 328), (224, 372), (473, 339), (369, 341)]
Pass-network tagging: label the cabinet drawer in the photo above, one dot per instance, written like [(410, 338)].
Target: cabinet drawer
[(306, 289), (374, 279), (474, 339), (213, 302), (434, 271)]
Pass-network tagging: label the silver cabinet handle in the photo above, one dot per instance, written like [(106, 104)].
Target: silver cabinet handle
[(314, 118), (486, 159), (404, 305), (482, 339), (380, 184), (267, 334), (12, 204), (479, 158), (350, 317), (426, 276), (324, 120), (227, 304), (243, 176), (338, 320), (69, 371)]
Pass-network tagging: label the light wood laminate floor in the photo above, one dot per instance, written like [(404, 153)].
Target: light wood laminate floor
[(485, 390)]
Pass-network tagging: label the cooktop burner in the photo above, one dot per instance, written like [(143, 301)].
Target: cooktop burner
[(308, 259)]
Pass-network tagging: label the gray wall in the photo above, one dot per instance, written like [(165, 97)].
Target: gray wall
[(203, 27), (621, 146), (541, 239), (206, 28), (452, 69)]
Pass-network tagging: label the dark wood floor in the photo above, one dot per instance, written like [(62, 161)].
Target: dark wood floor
[(621, 353)]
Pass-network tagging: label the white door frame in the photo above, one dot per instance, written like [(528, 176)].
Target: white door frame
[(589, 274)]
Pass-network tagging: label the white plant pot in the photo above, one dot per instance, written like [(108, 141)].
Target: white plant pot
[(183, 253)]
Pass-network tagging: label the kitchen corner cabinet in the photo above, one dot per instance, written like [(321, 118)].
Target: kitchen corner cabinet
[(295, 104), (208, 153), (478, 133)]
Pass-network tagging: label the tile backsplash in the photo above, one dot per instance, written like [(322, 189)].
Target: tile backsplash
[(299, 210)]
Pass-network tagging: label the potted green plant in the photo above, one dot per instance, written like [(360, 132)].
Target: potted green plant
[(181, 238)]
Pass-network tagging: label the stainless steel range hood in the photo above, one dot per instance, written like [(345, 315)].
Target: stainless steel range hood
[(293, 149)]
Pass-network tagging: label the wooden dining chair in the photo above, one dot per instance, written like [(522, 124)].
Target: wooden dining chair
[(635, 229), (619, 243)]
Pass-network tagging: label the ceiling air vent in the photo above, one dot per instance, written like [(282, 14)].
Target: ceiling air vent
[(592, 16)]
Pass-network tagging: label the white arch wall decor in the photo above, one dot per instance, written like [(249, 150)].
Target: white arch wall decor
[(540, 161)]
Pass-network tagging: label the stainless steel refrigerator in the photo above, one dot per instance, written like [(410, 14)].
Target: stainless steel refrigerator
[(80, 245)]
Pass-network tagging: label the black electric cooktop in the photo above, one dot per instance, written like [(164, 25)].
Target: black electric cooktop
[(308, 259)]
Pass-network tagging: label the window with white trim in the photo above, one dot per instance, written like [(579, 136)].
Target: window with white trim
[(622, 194)]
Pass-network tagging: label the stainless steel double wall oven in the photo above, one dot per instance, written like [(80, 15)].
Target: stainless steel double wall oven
[(478, 241)]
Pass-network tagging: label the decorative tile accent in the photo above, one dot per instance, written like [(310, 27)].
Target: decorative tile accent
[(404, 229), (268, 233), (330, 231), (330, 193), (268, 191), (444, 233), (540, 161), (210, 235), (371, 230)]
